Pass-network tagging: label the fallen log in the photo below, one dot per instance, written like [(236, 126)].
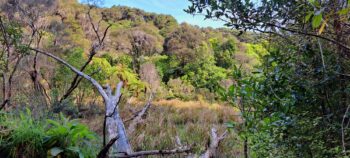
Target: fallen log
[(154, 152)]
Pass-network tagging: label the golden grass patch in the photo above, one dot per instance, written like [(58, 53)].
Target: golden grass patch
[(191, 121)]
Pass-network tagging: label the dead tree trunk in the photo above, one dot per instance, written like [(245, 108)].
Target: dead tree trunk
[(114, 123)]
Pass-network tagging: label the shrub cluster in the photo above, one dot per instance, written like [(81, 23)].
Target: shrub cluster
[(24, 135)]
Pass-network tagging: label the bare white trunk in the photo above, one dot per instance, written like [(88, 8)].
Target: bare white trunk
[(123, 145), (115, 124)]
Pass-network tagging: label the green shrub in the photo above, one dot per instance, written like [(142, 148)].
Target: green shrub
[(224, 52), (69, 138), (23, 136), (180, 89)]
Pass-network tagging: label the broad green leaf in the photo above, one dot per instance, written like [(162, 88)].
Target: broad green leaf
[(230, 124), (311, 1), (50, 141), (76, 150), (308, 16), (316, 21), (315, 3), (53, 122), (55, 151)]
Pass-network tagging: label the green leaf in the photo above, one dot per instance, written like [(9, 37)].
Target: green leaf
[(55, 151), (76, 150), (53, 122), (230, 125), (308, 16), (316, 21), (50, 141)]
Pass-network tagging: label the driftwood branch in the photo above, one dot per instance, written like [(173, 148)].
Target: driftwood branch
[(103, 153), (75, 70), (74, 84), (155, 152)]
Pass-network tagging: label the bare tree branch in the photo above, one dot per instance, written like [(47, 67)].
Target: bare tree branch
[(96, 29), (293, 31), (4, 103), (75, 70), (103, 153), (312, 35), (155, 152)]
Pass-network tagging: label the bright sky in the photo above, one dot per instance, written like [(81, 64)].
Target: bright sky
[(170, 7)]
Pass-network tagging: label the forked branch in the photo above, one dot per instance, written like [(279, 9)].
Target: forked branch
[(215, 141), (75, 70)]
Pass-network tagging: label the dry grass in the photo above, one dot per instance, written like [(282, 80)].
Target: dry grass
[(191, 121)]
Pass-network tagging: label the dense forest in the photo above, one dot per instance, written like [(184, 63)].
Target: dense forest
[(82, 80)]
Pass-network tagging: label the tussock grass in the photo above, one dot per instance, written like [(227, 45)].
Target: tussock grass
[(191, 121)]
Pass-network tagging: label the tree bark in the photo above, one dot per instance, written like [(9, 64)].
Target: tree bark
[(245, 147)]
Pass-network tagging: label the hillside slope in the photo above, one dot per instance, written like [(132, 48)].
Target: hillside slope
[(185, 67)]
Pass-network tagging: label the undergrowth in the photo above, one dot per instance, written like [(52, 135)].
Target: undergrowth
[(22, 135)]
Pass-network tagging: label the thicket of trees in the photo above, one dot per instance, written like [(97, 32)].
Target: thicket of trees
[(63, 57), (101, 41), (296, 104), (282, 63)]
